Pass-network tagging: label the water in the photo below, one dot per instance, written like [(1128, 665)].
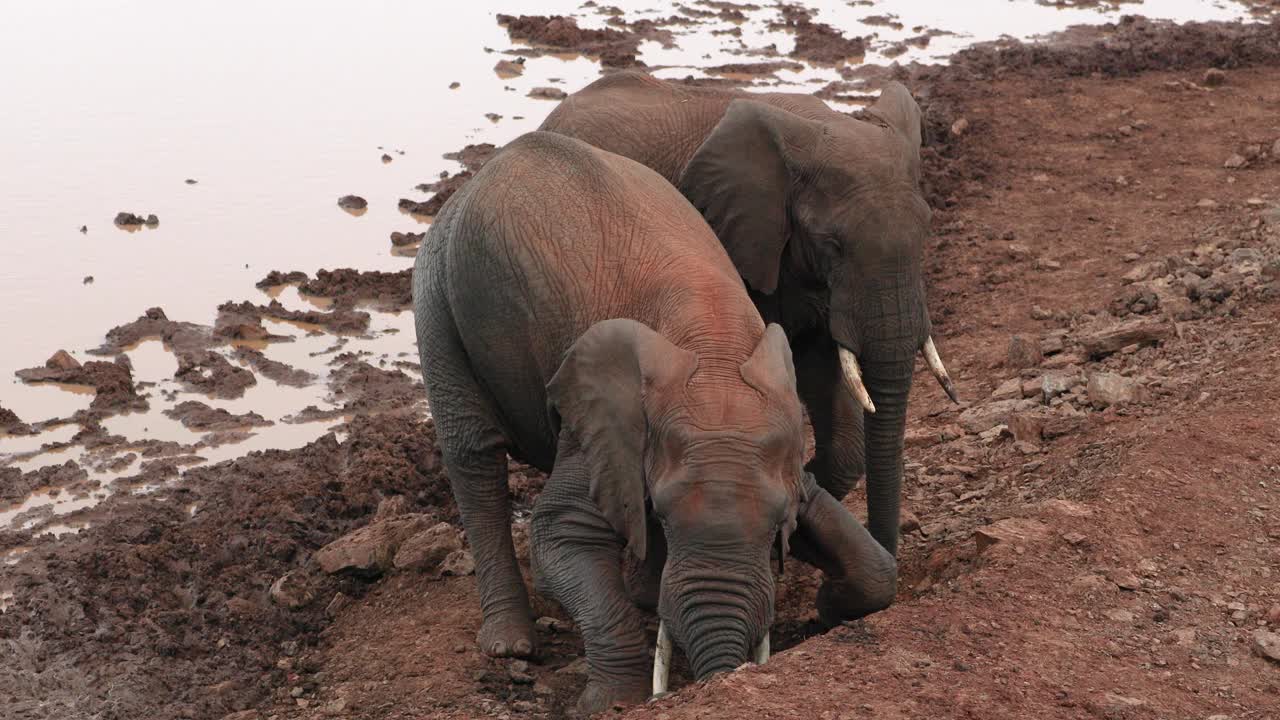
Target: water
[(276, 110)]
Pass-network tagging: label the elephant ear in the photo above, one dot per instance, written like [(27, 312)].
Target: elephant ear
[(772, 372), (599, 396), (740, 179), (900, 111)]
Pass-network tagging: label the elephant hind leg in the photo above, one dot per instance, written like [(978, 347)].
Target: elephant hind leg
[(474, 451)]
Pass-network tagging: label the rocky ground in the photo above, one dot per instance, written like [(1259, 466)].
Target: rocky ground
[(1095, 532)]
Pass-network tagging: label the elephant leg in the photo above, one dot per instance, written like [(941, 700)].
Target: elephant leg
[(474, 451), (577, 560), (861, 576), (838, 460)]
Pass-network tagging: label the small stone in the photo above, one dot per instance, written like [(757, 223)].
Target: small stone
[(1267, 644), (1273, 614), (352, 202), (1107, 389), (1026, 427), (128, 218), (1059, 382), (1235, 162), (1024, 352), (1026, 448), (1039, 313), (190, 181), (62, 360), (292, 590), (1011, 388), (1074, 538), (152, 221), (459, 563), (1048, 264), (1017, 250), (455, 85), (1213, 77), (1040, 178), (1120, 702), (336, 605), (959, 127), (84, 229), (509, 69), (1206, 203), (548, 93), (386, 158), (1124, 580), (1118, 615)]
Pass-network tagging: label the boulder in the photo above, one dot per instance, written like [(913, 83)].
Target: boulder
[(371, 550), (1106, 340), (429, 548), (1107, 389)]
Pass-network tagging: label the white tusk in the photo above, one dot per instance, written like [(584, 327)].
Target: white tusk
[(854, 376), (762, 650), (661, 660), (939, 371)]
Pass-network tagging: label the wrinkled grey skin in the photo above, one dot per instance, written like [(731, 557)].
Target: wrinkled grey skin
[(823, 216), (575, 311)]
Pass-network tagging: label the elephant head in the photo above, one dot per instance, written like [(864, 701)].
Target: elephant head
[(829, 209), (707, 449)]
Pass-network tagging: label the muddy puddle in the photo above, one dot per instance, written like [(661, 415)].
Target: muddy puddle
[(240, 137)]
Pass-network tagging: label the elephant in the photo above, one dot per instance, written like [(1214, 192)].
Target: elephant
[(573, 310), (824, 218)]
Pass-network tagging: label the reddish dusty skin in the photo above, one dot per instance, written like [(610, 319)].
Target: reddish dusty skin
[(154, 613)]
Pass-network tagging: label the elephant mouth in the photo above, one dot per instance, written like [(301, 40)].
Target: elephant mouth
[(662, 657)]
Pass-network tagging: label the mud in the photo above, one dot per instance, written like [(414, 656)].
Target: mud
[(818, 42), (342, 321), (614, 48), (198, 416), (211, 373), (180, 336), (112, 382), (274, 370)]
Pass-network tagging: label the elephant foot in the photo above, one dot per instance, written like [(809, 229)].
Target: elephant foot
[(507, 635), (600, 696)]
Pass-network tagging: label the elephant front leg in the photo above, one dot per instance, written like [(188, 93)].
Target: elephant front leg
[(577, 560), (838, 461)]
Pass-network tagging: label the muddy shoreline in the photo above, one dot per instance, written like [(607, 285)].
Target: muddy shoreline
[(205, 597)]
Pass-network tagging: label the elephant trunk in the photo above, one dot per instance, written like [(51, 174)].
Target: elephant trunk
[(889, 384), (718, 619)]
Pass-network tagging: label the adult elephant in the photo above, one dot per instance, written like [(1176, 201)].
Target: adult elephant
[(574, 310), (823, 216)]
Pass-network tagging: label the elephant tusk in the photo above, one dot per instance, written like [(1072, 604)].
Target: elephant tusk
[(762, 650), (661, 660), (854, 376), (939, 370)]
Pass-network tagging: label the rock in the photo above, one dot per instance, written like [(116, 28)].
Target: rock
[(1273, 615), (1206, 204), (1059, 382), (1213, 77), (153, 221), (1235, 162), (908, 522), (386, 158), (1107, 389), (459, 563), (492, 117), (1039, 313), (190, 181), (292, 590), (548, 93), (455, 85), (1013, 532), (1124, 580), (1031, 388), (352, 202), (1119, 615), (1054, 343), (1104, 341), (1267, 644), (336, 605), (1120, 702), (1009, 389), (400, 239), (981, 418), (509, 69), (371, 550), (959, 127), (428, 549), (1144, 271), (84, 229), (1026, 427), (62, 360), (1024, 352)]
